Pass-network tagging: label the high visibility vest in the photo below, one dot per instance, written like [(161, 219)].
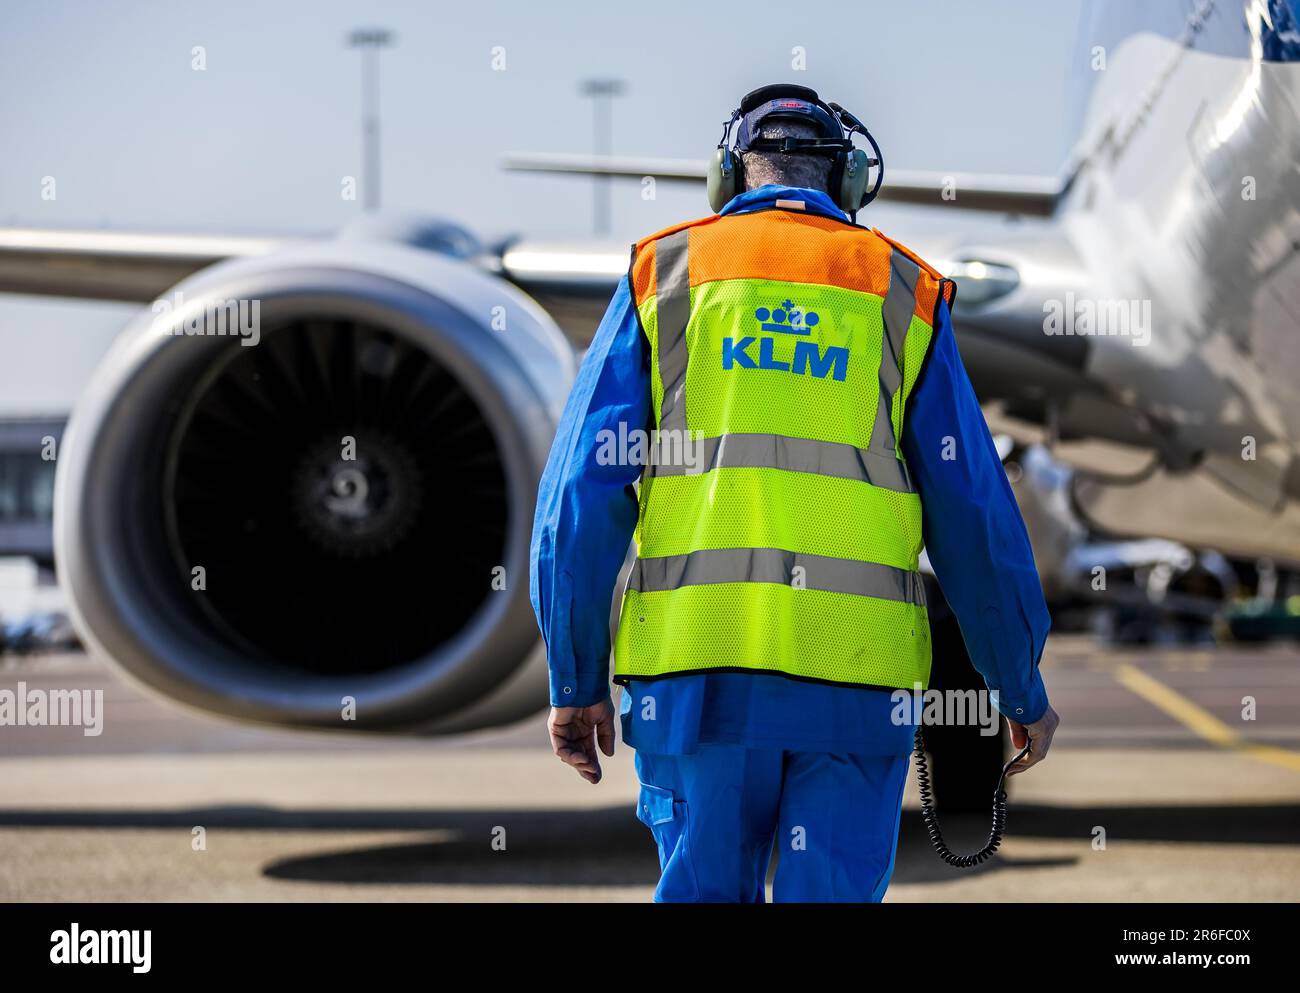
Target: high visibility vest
[(779, 530)]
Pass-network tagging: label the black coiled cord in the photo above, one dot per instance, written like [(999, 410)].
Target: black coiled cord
[(932, 820)]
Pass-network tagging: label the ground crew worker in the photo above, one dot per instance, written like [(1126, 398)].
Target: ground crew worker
[(785, 388)]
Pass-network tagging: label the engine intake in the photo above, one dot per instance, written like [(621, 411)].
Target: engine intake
[(333, 509)]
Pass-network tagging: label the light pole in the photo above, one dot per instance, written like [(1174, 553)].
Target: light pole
[(602, 92), (370, 41)]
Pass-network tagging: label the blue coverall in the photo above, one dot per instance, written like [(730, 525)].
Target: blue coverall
[(728, 762)]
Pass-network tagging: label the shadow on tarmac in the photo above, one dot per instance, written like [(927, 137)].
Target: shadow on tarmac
[(609, 847)]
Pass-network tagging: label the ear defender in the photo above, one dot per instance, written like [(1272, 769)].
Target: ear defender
[(723, 178), (853, 184), (726, 174)]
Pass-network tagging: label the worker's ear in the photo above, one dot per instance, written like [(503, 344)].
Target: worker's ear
[(725, 177), (853, 184)]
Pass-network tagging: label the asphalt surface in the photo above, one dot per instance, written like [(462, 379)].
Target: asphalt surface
[(1156, 789)]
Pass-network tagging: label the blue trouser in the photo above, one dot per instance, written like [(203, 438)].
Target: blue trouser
[(718, 814)]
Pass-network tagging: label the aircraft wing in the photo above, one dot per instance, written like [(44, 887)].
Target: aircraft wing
[(1035, 196), (573, 280), (111, 265)]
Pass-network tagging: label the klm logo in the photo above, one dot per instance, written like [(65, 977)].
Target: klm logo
[(808, 359)]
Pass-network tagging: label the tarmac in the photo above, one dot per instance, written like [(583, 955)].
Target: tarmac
[(1156, 789)]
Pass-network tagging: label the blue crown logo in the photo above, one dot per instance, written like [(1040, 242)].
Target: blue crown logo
[(787, 318)]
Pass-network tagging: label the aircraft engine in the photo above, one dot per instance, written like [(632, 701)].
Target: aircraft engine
[(320, 517)]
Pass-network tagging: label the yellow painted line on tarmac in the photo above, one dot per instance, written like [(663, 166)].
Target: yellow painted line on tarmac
[(1199, 720)]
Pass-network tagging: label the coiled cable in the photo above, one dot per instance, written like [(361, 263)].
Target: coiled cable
[(932, 820)]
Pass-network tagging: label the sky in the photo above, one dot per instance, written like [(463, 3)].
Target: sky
[(105, 99)]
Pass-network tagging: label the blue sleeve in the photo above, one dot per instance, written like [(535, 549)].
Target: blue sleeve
[(974, 534), (587, 507)]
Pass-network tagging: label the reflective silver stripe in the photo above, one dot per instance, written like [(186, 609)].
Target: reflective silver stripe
[(673, 307), (776, 565), (900, 303), (678, 456)]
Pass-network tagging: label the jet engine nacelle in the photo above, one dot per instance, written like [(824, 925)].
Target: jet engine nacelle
[(325, 522)]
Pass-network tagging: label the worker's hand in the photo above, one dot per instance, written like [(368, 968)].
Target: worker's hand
[(575, 732), (1039, 735)]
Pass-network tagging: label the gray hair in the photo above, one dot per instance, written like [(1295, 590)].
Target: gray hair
[(807, 171)]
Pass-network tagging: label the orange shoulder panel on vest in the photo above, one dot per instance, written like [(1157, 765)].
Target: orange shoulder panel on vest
[(790, 245), (930, 285), (787, 245), (908, 252), (643, 257)]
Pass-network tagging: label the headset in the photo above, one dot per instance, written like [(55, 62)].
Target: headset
[(850, 167)]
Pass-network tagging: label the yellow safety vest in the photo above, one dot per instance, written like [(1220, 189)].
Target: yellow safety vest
[(779, 530)]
